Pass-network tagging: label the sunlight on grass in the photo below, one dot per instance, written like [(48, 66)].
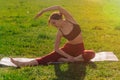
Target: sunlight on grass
[(102, 13), (21, 36)]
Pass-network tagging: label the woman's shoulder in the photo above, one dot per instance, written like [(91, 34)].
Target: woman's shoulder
[(72, 22)]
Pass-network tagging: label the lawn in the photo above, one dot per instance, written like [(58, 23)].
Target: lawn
[(21, 36)]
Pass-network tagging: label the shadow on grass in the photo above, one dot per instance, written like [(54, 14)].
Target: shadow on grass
[(75, 71)]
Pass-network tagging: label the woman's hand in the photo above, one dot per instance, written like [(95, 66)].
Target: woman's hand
[(78, 59), (45, 10), (39, 14), (66, 59), (71, 59)]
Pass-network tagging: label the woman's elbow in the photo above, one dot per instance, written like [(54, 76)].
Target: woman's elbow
[(58, 6)]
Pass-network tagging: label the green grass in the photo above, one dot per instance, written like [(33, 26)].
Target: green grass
[(21, 36)]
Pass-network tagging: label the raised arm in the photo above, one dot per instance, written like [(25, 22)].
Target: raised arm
[(61, 10)]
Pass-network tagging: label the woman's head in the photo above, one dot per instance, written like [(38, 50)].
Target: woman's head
[(54, 18)]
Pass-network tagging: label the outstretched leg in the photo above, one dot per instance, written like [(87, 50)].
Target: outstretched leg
[(22, 64), (45, 60)]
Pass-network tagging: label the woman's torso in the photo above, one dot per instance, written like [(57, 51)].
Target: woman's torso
[(71, 31)]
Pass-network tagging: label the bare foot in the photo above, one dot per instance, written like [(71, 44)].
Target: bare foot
[(17, 63)]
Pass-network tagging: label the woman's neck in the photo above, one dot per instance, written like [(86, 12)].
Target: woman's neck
[(60, 24)]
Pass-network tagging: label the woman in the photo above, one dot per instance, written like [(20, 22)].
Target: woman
[(68, 28)]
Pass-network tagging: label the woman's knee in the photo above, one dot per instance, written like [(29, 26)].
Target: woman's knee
[(88, 54)]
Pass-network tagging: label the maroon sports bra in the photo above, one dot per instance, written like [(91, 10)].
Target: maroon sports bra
[(74, 33)]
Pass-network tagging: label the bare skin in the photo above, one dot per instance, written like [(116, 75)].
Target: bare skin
[(66, 26), (21, 64)]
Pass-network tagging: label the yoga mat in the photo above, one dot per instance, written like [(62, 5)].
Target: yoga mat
[(105, 56), (100, 56), (5, 61)]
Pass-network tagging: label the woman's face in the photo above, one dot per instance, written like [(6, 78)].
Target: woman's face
[(54, 22)]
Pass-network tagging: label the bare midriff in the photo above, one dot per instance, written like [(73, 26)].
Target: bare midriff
[(77, 40)]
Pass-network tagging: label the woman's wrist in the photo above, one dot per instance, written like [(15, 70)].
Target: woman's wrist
[(39, 14)]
